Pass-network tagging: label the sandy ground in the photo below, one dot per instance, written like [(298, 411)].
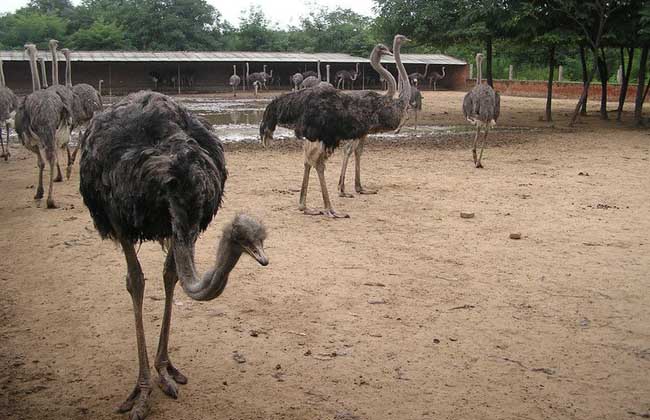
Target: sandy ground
[(403, 311)]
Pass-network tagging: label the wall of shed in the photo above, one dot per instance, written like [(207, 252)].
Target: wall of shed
[(123, 77)]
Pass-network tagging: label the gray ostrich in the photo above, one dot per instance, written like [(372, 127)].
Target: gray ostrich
[(86, 102), (481, 107), (296, 80), (349, 76), (234, 80), (41, 63), (99, 87), (259, 77), (43, 125), (436, 77), (324, 116), (151, 171), (418, 78), (311, 81), (267, 77), (8, 105)]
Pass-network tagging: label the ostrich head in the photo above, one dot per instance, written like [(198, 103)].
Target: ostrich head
[(66, 52), (30, 49), (247, 234), (400, 39), (53, 43)]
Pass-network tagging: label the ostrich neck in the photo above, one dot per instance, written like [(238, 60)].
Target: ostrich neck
[(385, 74), (41, 64), (479, 74), (319, 76), (68, 71), (2, 75), (55, 66), (426, 70), (36, 83), (214, 281), (234, 70), (404, 94)]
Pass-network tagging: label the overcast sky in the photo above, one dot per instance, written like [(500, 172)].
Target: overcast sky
[(283, 12)]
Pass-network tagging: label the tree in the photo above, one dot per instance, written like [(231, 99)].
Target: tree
[(338, 30), (28, 26), (100, 36)]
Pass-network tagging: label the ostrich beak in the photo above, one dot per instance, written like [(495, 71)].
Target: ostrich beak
[(257, 252)]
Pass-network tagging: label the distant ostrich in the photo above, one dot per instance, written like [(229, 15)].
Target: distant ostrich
[(267, 77), (481, 107), (311, 81), (259, 77), (155, 78), (436, 77), (234, 80), (41, 63), (324, 116), (256, 87), (99, 87), (8, 105), (85, 103), (43, 125), (151, 171), (416, 103), (296, 80), (419, 78), (343, 76)]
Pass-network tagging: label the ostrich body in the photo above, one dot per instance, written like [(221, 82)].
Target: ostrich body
[(43, 126), (151, 171), (234, 80), (8, 105), (85, 102), (259, 77), (436, 77), (324, 116), (311, 81), (349, 76), (296, 80), (481, 107), (419, 78)]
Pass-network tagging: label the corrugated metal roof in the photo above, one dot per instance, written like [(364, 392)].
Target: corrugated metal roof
[(227, 56)]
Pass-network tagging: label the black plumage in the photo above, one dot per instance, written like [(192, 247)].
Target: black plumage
[(144, 157)]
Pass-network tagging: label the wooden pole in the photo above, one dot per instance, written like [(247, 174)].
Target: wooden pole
[(178, 78)]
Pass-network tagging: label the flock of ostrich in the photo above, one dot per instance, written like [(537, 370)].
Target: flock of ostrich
[(150, 170)]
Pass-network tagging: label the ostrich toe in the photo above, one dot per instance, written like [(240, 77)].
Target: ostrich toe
[(362, 190), (137, 403)]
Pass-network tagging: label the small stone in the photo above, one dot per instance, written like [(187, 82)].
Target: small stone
[(516, 235), (307, 353), (436, 341), (278, 367), (377, 301), (466, 215), (238, 357), (254, 333)]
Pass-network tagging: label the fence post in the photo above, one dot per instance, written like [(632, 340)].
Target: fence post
[(471, 70), (510, 72), (619, 75), (560, 73), (327, 71)]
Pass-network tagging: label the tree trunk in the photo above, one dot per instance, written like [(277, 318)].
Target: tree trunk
[(549, 92), (627, 72), (583, 61), (585, 90), (489, 62), (604, 78), (638, 106)]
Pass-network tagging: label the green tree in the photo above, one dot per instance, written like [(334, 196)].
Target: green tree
[(100, 36), (27, 26)]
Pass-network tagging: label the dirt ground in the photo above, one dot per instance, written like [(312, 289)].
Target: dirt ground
[(403, 311)]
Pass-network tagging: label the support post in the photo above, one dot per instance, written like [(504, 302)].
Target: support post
[(327, 71), (471, 71), (560, 73), (511, 72), (178, 78), (110, 82)]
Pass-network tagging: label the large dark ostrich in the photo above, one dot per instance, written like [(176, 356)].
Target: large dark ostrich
[(8, 105), (43, 125), (324, 116), (151, 171), (85, 102), (481, 107)]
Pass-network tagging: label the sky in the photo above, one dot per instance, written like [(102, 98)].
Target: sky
[(282, 12)]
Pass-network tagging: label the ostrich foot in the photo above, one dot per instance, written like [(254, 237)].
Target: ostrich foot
[(137, 403), (39, 193), (479, 165), (168, 379), (345, 195), (68, 172), (334, 215), (59, 178), (51, 204), (362, 190)]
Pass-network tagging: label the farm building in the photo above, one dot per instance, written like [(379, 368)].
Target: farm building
[(126, 71)]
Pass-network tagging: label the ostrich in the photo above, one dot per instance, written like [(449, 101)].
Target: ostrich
[(256, 87), (234, 80), (416, 103), (259, 77), (436, 77), (481, 107), (85, 103), (41, 63), (155, 78), (151, 171), (311, 81), (345, 75), (99, 87), (266, 77), (324, 116), (296, 80), (419, 78), (43, 125), (8, 105)]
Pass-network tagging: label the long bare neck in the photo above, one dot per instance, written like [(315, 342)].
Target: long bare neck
[(55, 66), (41, 63), (36, 83), (479, 72), (375, 62), (443, 72), (404, 94), (247, 70), (68, 71), (2, 74), (426, 70), (214, 281), (234, 70)]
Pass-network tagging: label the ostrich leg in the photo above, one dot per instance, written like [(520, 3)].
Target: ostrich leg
[(328, 211), (52, 159), (41, 168), (2, 145), (138, 401), (8, 152), (169, 375), (302, 205), (347, 152), (478, 129), (357, 168), (487, 130)]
